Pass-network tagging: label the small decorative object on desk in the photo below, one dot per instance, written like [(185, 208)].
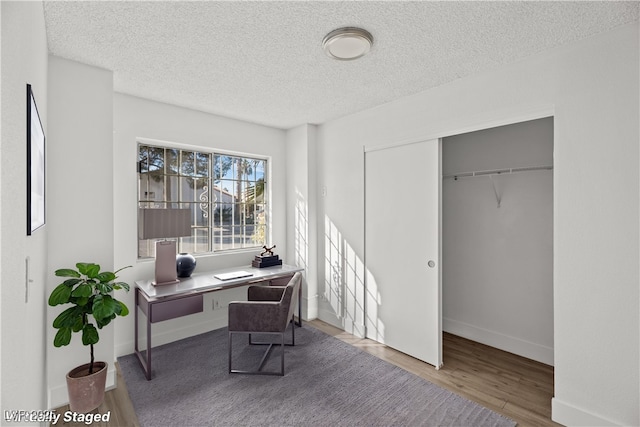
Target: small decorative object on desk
[(185, 264), (266, 258)]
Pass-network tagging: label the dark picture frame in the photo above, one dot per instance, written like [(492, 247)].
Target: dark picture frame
[(35, 166)]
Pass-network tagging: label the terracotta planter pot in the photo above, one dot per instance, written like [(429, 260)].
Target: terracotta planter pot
[(86, 392)]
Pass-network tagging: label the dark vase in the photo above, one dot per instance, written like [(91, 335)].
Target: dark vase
[(185, 264)]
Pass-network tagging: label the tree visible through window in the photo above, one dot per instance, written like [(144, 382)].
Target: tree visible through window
[(225, 193)]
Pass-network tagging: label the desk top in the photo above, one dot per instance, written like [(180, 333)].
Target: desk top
[(205, 281)]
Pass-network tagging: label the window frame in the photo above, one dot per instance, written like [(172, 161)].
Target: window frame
[(214, 248)]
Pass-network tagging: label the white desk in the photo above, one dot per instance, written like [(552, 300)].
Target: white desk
[(160, 303)]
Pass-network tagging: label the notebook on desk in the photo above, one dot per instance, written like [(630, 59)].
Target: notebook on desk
[(233, 275)]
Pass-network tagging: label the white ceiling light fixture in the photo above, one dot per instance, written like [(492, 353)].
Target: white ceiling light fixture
[(348, 43)]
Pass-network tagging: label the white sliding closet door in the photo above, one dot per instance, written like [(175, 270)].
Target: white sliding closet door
[(402, 248)]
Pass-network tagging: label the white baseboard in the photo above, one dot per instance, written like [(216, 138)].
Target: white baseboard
[(58, 395), (358, 330), (310, 307), (511, 344), (329, 316), (569, 415)]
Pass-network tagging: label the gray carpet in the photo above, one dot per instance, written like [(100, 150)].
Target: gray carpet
[(327, 383)]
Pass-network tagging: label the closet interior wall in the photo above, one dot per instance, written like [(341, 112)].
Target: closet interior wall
[(497, 260)]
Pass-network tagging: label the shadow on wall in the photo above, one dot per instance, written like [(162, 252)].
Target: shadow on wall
[(301, 232), (344, 281), (374, 325)]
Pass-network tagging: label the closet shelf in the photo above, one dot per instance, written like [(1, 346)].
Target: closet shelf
[(490, 173)]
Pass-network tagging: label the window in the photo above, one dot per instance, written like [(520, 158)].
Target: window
[(227, 196)]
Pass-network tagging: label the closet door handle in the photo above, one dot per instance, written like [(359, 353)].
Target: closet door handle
[(431, 263)]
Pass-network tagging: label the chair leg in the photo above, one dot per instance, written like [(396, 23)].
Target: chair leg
[(282, 354), (293, 331), (264, 357), (263, 361), (230, 352)]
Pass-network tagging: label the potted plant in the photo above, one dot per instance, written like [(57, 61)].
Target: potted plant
[(88, 290)]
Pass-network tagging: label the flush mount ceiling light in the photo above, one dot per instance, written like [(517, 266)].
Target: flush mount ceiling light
[(346, 44)]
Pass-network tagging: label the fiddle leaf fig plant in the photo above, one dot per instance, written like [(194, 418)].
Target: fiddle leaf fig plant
[(88, 290)]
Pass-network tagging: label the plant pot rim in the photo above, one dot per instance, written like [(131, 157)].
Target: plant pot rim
[(98, 366)]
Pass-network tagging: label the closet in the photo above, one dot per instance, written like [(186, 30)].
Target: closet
[(497, 237)]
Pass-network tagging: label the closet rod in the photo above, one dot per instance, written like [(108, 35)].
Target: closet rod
[(495, 172)]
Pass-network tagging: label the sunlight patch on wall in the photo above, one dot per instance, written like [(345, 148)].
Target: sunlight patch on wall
[(375, 326), (301, 232), (343, 280)]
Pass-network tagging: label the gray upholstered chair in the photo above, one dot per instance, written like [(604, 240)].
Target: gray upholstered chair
[(269, 310)]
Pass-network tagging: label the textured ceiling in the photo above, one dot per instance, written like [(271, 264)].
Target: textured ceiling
[(263, 61)]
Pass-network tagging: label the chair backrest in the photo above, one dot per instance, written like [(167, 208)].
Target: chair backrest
[(289, 296)]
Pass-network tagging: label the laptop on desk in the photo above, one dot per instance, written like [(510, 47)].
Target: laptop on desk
[(233, 275)]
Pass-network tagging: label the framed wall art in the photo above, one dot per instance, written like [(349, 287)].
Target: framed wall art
[(35, 166)]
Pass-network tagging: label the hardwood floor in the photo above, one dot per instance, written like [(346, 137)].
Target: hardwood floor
[(518, 388)]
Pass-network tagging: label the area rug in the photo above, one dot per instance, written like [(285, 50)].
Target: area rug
[(327, 383)]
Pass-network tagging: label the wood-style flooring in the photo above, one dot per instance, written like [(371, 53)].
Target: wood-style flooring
[(518, 388), (514, 386)]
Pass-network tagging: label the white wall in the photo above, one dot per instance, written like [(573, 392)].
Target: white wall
[(591, 89), (340, 237), (94, 153), (497, 261), (302, 212), (139, 118), (80, 198), (23, 323)]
